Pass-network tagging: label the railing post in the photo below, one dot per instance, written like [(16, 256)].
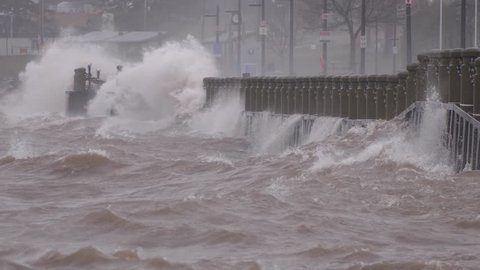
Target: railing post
[(468, 69), (306, 95), (271, 94), (248, 94), (352, 97), (278, 95), (422, 78), (454, 74), (327, 96), (241, 88), (371, 97), (343, 95), (443, 76), (206, 87), (411, 89), (401, 90), (380, 97), (321, 84), (362, 97), (432, 71), (476, 92), (335, 96), (291, 95), (284, 96), (312, 95), (390, 96)]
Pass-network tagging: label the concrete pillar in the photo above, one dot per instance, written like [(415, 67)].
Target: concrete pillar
[(401, 90), (327, 96), (454, 75), (321, 82), (291, 95), (284, 96), (468, 71), (432, 71), (361, 97), (343, 95), (411, 86), (371, 96), (390, 96), (476, 90), (277, 95), (336, 84), (312, 95), (352, 97), (422, 77), (380, 87), (443, 78)]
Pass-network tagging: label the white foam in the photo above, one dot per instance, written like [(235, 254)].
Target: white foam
[(167, 83)]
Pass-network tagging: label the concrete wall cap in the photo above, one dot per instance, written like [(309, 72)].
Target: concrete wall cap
[(471, 52)]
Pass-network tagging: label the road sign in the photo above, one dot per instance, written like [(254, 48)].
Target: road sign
[(325, 36), (325, 16), (363, 42), (408, 2)]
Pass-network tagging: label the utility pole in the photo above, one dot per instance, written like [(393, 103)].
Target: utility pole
[(292, 44), (475, 36), (376, 45), (395, 48), (440, 41), (239, 38), (237, 19), (363, 39), (263, 33), (325, 29), (42, 21), (145, 15), (216, 46), (463, 28), (408, 10)]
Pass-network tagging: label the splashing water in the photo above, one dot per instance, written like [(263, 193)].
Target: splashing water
[(166, 83)]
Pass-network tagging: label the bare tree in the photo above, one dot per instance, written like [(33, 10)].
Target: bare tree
[(348, 17)]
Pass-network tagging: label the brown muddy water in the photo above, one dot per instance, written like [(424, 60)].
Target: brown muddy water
[(96, 193)]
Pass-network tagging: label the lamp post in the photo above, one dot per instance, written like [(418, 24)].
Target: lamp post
[(263, 33), (463, 23), (363, 39), (325, 29), (408, 11), (237, 19), (291, 54)]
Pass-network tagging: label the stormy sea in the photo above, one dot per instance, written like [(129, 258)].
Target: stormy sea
[(169, 184)]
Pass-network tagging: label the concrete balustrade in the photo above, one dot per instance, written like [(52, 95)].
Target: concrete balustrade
[(453, 74)]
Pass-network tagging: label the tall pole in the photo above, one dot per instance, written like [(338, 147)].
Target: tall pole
[(291, 59), (408, 10), (263, 39), (325, 29), (42, 21), (395, 50), (363, 40), (145, 15), (376, 45), (217, 25), (440, 41), (239, 39), (202, 31), (476, 24), (463, 30)]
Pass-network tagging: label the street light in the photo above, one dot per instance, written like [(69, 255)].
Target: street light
[(363, 39), (263, 33), (237, 19)]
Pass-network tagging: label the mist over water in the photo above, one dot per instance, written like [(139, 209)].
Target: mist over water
[(167, 184)]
